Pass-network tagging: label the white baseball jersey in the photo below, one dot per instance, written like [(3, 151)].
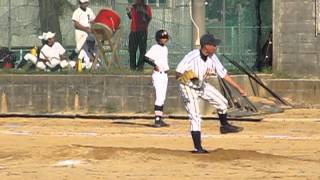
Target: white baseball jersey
[(190, 96), (53, 55), (193, 61), (159, 54), (84, 18), (52, 52)]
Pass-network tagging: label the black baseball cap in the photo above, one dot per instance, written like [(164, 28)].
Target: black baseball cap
[(208, 39)]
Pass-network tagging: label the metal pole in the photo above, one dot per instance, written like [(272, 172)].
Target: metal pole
[(239, 30), (197, 16), (9, 25), (224, 27), (113, 4), (317, 16)]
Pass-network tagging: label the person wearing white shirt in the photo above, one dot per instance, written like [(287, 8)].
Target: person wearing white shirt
[(203, 62), (88, 53), (53, 55), (157, 56), (82, 18)]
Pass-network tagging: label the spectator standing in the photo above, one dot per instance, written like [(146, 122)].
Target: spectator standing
[(82, 18), (140, 15)]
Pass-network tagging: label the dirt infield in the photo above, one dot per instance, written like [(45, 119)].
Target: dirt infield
[(282, 146)]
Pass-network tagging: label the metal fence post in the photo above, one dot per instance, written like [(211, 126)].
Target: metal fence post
[(232, 41), (113, 4), (9, 24)]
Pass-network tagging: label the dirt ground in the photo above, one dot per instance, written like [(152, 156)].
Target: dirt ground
[(282, 146)]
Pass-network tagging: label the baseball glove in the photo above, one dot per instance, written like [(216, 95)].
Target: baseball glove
[(187, 76)]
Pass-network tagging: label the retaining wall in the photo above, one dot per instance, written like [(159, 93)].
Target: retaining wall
[(102, 94)]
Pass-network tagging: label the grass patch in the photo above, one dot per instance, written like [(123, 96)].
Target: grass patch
[(267, 70)]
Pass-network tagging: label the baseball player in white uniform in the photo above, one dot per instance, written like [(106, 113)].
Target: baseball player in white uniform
[(52, 54), (82, 18), (202, 63), (157, 56), (88, 52)]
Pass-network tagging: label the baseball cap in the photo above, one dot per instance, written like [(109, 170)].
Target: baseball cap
[(83, 1), (49, 35), (208, 39), (43, 36)]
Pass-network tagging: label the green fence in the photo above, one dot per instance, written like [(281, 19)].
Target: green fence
[(240, 42), (233, 21)]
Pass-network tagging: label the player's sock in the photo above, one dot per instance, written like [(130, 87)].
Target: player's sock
[(158, 112), (196, 137), (226, 127), (157, 121), (157, 118), (223, 119)]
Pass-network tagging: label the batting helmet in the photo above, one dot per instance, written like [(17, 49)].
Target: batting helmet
[(162, 34)]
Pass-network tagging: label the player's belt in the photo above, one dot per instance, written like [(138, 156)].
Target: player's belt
[(163, 72)]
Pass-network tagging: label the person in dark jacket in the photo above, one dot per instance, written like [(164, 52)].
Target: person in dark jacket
[(140, 15)]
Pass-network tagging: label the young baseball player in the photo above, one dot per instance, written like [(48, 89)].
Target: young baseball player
[(192, 73), (82, 18), (53, 55), (88, 53), (157, 56)]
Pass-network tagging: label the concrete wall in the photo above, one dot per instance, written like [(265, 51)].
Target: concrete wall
[(295, 45), (302, 92), (81, 94), (100, 94)]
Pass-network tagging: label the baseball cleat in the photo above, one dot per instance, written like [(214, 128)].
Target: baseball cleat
[(157, 124), (230, 129), (200, 151), (163, 124), (160, 123)]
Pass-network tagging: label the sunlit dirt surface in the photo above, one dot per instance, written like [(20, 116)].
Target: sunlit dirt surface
[(282, 146)]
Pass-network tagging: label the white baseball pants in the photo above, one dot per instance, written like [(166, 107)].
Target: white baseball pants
[(160, 83), (191, 97), (81, 38)]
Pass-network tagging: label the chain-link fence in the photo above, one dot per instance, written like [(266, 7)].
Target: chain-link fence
[(233, 21), (243, 26)]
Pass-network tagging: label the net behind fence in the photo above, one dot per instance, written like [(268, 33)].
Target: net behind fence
[(234, 22)]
